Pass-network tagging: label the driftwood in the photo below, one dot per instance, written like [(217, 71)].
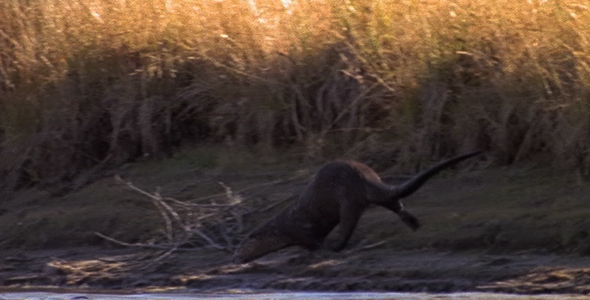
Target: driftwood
[(188, 225), (185, 222)]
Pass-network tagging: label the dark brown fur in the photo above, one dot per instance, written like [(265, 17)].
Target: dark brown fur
[(335, 198)]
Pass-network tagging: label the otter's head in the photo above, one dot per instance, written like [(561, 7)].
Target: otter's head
[(262, 241)]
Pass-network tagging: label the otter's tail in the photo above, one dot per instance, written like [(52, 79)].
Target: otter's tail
[(413, 184)]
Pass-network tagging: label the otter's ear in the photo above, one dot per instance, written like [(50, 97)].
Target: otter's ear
[(409, 219)]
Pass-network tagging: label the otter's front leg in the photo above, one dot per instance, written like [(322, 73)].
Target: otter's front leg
[(349, 217)]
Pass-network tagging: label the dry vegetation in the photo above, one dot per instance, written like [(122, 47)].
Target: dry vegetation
[(87, 85)]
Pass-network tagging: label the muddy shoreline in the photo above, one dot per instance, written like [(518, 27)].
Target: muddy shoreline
[(511, 230), (209, 271)]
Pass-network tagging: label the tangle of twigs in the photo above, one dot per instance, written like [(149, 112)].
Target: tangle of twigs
[(188, 225)]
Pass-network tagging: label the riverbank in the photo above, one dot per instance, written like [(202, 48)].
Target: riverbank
[(515, 230)]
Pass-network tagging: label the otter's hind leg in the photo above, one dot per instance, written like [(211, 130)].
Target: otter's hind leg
[(349, 217), (409, 219)]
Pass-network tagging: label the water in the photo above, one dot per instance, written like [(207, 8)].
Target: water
[(281, 296)]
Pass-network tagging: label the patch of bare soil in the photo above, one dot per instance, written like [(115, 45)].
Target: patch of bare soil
[(510, 230), (358, 269)]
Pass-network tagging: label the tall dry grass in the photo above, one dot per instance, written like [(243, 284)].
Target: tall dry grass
[(87, 85)]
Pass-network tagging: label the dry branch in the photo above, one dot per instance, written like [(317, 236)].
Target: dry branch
[(215, 224), (256, 186), (184, 229), (187, 225)]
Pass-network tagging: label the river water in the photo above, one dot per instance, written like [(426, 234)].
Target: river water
[(281, 296)]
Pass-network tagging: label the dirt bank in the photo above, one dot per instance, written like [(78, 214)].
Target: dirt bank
[(522, 230)]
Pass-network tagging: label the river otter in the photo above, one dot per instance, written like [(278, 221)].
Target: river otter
[(338, 194)]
